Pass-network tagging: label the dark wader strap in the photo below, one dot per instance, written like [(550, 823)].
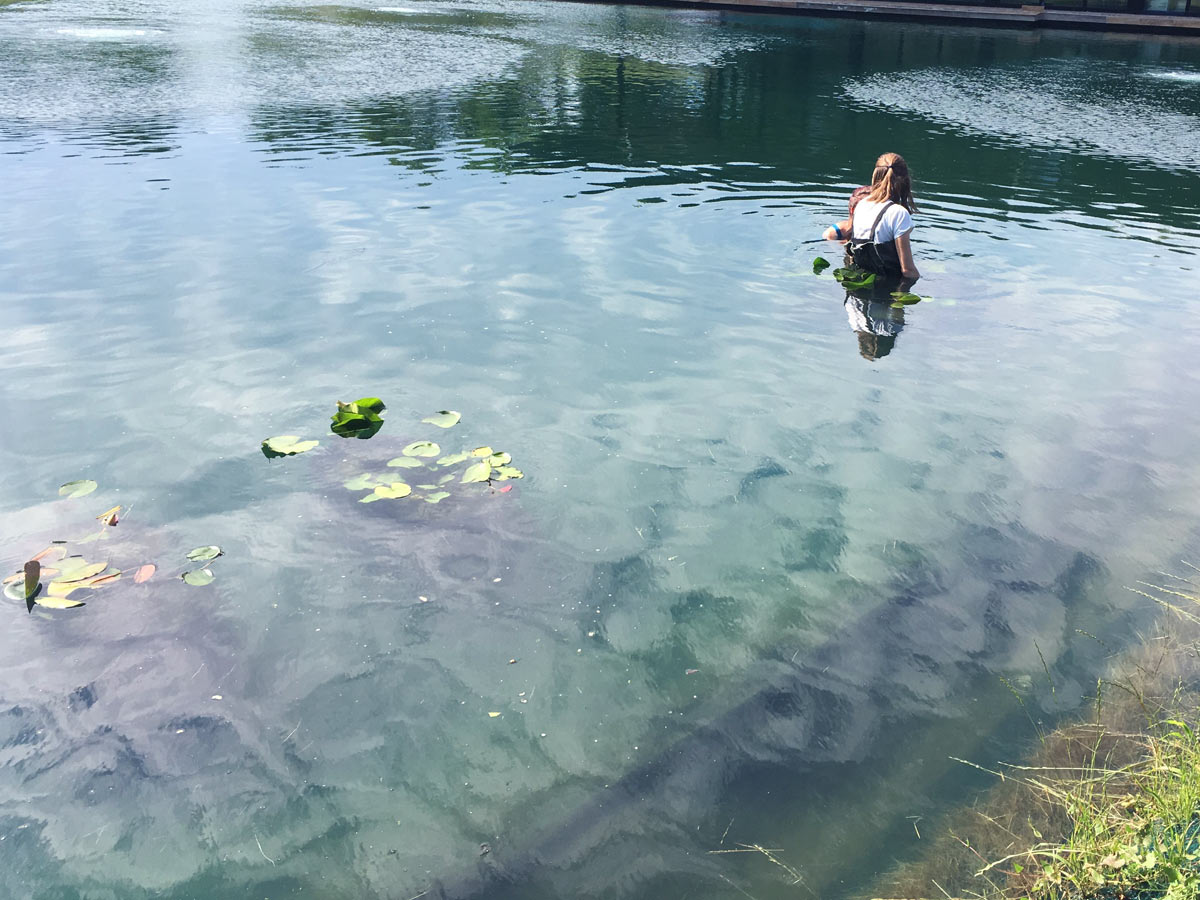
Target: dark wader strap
[(878, 218)]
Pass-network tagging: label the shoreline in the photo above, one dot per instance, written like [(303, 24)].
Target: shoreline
[(1031, 16), (1107, 805)]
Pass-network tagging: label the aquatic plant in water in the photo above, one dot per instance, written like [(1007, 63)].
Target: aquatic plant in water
[(286, 445), (852, 278), (361, 419), (50, 577), (482, 465)]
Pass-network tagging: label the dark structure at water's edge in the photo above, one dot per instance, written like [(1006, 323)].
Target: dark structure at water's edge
[(1180, 17)]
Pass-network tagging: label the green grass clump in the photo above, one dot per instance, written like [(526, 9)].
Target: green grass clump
[(1107, 809), (1134, 829)]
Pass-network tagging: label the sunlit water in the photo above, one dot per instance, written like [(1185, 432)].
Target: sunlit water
[(773, 553)]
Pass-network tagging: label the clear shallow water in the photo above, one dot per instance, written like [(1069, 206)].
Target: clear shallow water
[(589, 229)]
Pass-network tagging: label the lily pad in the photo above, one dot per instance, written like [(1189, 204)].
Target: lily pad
[(820, 264), (503, 473), (853, 278), (482, 451), (446, 479), (16, 591), (481, 471), (286, 445), (437, 497), (69, 568), (358, 425), (198, 577), (144, 573), (454, 458), (395, 491), (359, 419), (82, 573), (903, 298), (404, 462), (101, 580), (444, 418), (424, 449), (73, 489), (500, 458), (49, 601), (369, 404), (204, 554), (363, 482)]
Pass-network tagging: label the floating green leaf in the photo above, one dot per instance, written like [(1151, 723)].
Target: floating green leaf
[(204, 554), (348, 423), (903, 298), (482, 451), (454, 458), (360, 419), (49, 601), (820, 264), (853, 278), (70, 566), (369, 404), (198, 577), (285, 445), (500, 458), (481, 471), (394, 491), (81, 573), (16, 591), (437, 497), (404, 462), (363, 482), (422, 448), (445, 418), (503, 473), (73, 489)]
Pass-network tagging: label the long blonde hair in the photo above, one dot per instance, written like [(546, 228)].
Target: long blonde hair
[(891, 181)]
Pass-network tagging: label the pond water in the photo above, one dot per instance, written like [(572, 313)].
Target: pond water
[(776, 556)]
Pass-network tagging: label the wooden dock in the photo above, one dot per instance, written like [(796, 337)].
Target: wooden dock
[(964, 14)]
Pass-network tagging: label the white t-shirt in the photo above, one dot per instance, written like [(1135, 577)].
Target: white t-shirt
[(895, 222)]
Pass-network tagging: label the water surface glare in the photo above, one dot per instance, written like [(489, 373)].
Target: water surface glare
[(774, 549)]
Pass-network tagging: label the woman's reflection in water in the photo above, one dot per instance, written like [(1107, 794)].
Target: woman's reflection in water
[(873, 318)]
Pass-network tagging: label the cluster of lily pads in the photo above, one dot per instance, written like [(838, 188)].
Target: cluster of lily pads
[(204, 574), (50, 577), (482, 465), (360, 419), (854, 278), (363, 419), (53, 577)]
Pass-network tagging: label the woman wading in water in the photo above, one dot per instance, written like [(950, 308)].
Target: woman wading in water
[(882, 222)]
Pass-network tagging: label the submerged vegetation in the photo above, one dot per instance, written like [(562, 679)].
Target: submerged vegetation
[(1107, 808)]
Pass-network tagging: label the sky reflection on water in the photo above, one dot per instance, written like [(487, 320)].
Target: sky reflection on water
[(754, 573)]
